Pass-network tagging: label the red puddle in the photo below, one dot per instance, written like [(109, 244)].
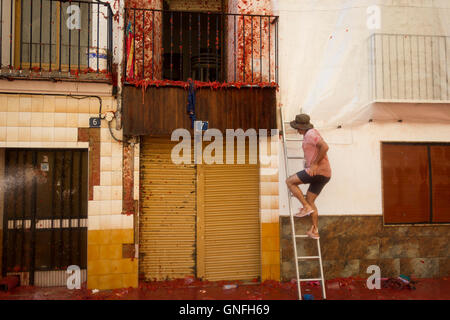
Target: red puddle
[(186, 289)]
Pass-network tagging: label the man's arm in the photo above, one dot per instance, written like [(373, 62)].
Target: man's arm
[(323, 148)]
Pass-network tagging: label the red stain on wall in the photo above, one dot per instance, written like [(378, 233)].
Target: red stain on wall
[(128, 180), (146, 27), (198, 84), (251, 50), (92, 135)]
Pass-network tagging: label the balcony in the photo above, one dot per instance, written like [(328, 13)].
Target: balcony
[(236, 53), (409, 68), (56, 40), (203, 46)]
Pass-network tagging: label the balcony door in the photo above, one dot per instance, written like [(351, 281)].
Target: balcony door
[(53, 35)]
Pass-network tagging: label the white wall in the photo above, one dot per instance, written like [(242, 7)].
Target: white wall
[(324, 72), (116, 6), (324, 53), (354, 154)]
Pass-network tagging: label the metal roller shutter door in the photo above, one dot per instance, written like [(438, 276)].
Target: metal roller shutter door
[(168, 213), (231, 224)]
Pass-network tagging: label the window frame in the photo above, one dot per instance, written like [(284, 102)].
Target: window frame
[(18, 41)]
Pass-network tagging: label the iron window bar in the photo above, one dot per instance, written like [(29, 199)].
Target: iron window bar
[(40, 43), (408, 68), (242, 48)]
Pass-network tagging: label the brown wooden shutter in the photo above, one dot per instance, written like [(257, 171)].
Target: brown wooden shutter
[(440, 168), (406, 187), (168, 213)]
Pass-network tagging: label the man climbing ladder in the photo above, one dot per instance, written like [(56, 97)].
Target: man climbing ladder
[(317, 171)]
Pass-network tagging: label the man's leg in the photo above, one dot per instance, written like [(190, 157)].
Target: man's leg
[(311, 198), (292, 183), (314, 190)]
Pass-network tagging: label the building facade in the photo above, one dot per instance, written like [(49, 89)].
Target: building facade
[(210, 221), (91, 94), (85, 140)]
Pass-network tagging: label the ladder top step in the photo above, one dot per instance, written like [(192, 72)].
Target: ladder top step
[(308, 257), (295, 157), (294, 139)]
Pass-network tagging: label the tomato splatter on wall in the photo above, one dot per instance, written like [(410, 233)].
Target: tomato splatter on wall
[(145, 51), (250, 42)]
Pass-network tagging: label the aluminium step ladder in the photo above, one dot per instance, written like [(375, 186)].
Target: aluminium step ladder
[(291, 213)]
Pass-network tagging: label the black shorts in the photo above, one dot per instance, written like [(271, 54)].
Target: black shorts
[(316, 183)]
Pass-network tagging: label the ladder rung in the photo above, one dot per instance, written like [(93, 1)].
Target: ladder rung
[(308, 257), (292, 196), (312, 279), (303, 236), (297, 139), (296, 157)]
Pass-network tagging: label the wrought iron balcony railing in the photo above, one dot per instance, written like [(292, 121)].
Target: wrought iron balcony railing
[(56, 39), (409, 68), (203, 46)]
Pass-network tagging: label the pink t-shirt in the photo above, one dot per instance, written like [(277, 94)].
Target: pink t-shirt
[(310, 150)]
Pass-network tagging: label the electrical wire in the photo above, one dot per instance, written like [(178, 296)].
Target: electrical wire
[(80, 98), (85, 97), (102, 117), (112, 134)]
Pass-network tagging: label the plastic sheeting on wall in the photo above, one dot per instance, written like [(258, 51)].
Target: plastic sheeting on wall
[(334, 68)]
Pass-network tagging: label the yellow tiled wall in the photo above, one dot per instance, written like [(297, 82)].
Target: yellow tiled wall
[(34, 121), (270, 235), (106, 267), (109, 229)]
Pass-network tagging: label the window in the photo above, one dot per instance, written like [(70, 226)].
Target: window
[(192, 40), (416, 183), (55, 38), (44, 34)]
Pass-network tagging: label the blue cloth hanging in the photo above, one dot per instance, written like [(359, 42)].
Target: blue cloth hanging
[(191, 103)]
